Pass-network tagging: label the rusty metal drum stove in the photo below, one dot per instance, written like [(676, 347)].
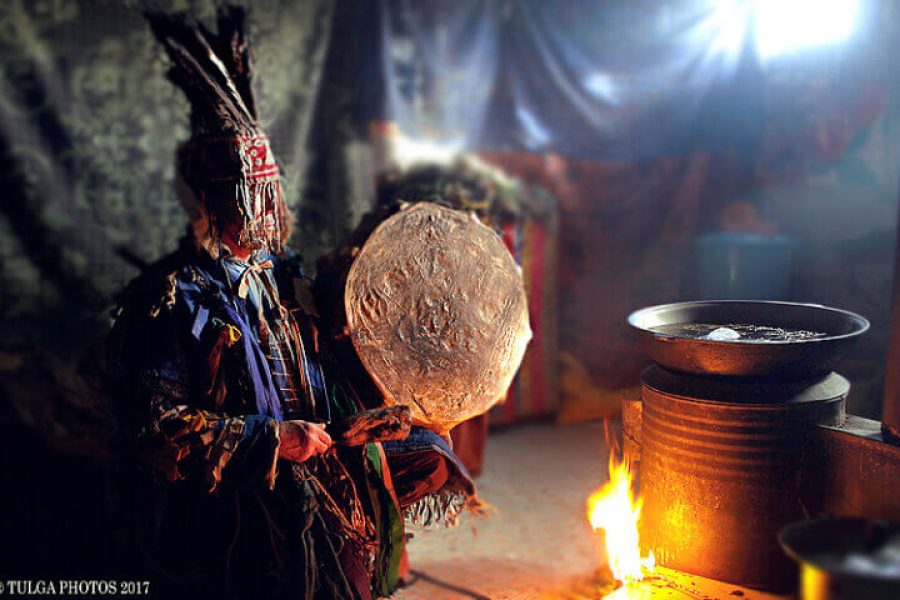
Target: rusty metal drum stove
[(723, 436)]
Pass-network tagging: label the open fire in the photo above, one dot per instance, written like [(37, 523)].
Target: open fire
[(615, 509)]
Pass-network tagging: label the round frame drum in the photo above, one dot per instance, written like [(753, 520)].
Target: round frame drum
[(437, 313)]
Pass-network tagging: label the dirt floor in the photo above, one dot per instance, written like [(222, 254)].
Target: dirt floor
[(537, 540), (537, 544)]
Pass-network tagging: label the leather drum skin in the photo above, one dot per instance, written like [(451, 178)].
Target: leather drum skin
[(437, 312)]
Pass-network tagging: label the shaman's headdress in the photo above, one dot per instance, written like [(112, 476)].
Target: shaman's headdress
[(227, 162)]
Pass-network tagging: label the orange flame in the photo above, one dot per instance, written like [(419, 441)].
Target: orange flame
[(614, 509)]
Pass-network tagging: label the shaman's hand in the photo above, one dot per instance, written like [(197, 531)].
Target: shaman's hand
[(301, 440)]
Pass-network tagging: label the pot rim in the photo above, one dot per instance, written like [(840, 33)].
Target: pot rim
[(861, 324), (790, 534)]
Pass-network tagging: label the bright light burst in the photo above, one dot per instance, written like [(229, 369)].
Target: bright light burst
[(782, 26)]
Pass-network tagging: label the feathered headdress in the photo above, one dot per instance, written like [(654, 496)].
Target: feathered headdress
[(227, 162)]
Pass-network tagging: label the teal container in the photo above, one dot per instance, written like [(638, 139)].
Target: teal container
[(743, 266)]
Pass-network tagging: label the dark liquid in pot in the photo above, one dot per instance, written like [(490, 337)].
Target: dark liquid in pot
[(748, 333)]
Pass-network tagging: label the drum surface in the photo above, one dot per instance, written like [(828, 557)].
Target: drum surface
[(437, 312)]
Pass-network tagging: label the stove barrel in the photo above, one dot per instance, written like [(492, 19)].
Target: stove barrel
[(720, 470)]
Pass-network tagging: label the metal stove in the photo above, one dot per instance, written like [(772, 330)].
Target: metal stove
[(726, 428)]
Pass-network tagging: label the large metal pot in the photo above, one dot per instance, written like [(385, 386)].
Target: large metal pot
[(787, 359), (845, 558)]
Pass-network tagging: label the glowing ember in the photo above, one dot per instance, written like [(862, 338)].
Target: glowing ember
[(614, 509)]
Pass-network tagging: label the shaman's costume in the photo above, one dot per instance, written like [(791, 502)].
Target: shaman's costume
[(209, 355)]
